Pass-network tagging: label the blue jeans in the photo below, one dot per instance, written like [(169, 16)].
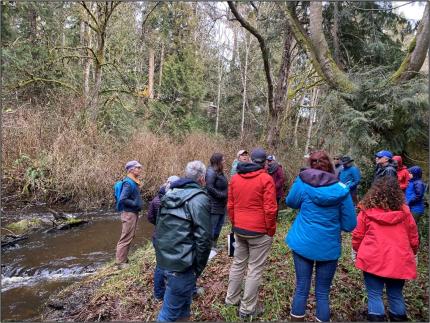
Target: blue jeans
[(159, 283), (178, 295), (217, 221), (375, 288), (325, 271)]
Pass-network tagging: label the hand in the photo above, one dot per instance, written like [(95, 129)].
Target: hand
[(353, 255)]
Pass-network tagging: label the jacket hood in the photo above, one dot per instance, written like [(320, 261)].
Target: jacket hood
[(399, 161), (162, 191), (323, 188), (180, 191), (317, 178), (416, 172), (386, 217), (243, 168), (273, 167)]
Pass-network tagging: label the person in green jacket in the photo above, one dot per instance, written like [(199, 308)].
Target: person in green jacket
[(183, 241)]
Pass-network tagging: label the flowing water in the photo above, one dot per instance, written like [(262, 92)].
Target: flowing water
[(47, 262)]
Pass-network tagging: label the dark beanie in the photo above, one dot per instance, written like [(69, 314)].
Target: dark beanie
[(258, 155)]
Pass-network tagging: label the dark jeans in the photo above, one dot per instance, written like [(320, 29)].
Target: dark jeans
[(217, 221), (178, 295), (375, 288), (159, 283), (325, 271)]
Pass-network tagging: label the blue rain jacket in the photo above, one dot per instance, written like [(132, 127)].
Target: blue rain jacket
[(350, 176), (326, 208), (414, 193)]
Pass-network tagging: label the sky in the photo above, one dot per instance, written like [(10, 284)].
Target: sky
[(413, 11)]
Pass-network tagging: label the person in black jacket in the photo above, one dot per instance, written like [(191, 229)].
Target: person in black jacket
[(384, 165), (217, 187), (131, 202)]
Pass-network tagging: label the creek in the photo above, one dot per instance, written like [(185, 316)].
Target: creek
[(45, 263)]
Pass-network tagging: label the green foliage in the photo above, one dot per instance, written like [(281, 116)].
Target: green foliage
[(116, 117), (34, 173), (24, 226), (382, 116)]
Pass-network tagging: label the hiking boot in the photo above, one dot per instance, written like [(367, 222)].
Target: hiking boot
[(376, 318), (259, 309), (296, 318), (397, 318)]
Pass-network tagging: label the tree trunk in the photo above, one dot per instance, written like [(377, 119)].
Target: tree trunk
[(336, 52), (317, 49), (296, 126), (32, 31), (281, 90), (244, 83), (312, 114), (265, 53), (219, 94), (417, 51), (160, 76), (151, 70)]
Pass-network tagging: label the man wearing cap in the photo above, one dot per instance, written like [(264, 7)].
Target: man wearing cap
[(252, 210), (384, 165), (350, 176), (131, 203), (242, 156), (275, 170)]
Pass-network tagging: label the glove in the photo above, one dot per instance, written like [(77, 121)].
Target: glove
[(353, 255)]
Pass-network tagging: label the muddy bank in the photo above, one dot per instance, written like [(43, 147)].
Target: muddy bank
[(127, 294)]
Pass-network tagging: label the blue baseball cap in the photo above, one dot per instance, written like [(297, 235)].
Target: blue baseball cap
[(384, 153)]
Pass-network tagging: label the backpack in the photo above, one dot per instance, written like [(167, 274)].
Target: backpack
[(117, 189)]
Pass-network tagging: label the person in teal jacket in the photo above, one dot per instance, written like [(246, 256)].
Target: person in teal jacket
[(326, 209), (350, 176)]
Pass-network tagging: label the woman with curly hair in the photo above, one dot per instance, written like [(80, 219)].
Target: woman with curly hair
[(326, 209), (386, 240)]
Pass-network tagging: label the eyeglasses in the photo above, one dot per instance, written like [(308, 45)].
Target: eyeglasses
[(336, 158)]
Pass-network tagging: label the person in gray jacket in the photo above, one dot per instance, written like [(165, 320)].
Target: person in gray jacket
[(183, 241)]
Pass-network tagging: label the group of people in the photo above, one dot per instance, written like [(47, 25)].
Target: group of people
[(188, 213)]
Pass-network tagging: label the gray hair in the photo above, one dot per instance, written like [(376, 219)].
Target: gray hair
[(170, 180), (194, 170)]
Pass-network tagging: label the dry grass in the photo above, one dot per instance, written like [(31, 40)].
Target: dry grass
[(52, 156)]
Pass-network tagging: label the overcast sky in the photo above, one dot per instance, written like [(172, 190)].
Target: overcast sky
[(412, 11)]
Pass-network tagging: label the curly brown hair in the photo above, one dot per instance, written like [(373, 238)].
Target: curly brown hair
[(385, 193)]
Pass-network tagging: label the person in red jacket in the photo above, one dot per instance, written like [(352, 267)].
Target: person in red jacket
[(386, 242), (252, 210), (402, 173)]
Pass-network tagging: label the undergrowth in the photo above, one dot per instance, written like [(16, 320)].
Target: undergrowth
[(127, 294)]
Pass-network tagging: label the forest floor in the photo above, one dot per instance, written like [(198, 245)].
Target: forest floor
[(124, 295)]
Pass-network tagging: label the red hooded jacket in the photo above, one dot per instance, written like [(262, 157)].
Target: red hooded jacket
[(402, 173), (386, 242), (251, 205)]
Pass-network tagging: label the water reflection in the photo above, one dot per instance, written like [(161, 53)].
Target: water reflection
[(48, 262)]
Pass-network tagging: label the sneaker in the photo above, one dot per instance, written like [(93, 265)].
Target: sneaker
[(122, 266), (259, 309)]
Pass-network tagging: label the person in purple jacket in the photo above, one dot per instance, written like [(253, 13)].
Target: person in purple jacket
[(276, 171)]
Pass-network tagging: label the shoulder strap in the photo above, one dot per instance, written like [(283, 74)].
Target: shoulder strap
[(130, 181)]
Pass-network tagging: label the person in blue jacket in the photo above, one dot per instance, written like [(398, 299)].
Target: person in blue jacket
[(350, 176), (326, 208), (414, 193)]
